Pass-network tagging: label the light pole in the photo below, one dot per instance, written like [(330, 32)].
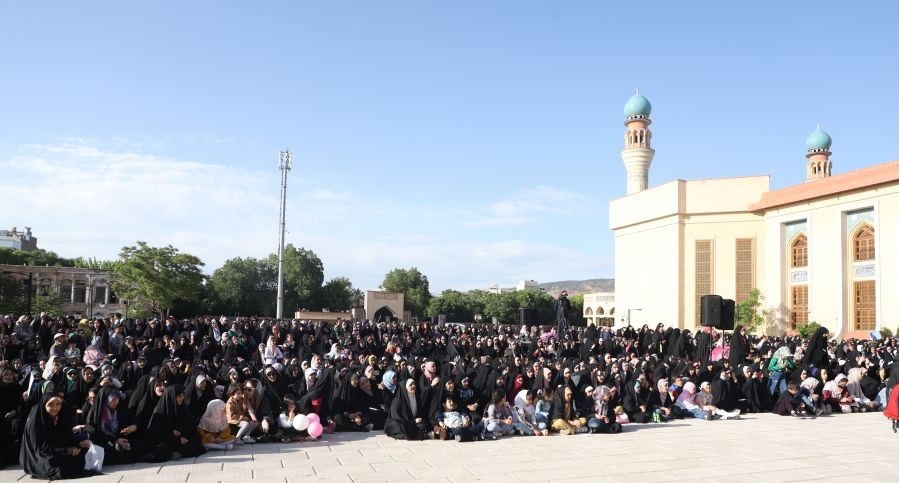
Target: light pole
[(629, 315), (286, 162)]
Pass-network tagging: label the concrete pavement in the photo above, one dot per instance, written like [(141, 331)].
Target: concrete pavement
[(757, 448)]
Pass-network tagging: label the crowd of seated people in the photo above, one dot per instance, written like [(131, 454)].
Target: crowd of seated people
[(157, 390)]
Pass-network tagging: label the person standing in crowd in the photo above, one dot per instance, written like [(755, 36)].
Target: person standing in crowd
[(561, 308)]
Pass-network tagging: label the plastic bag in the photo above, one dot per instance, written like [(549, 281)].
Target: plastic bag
[(93, 458)]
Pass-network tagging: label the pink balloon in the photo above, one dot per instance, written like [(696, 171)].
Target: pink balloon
[(313, 418), (315, 429)]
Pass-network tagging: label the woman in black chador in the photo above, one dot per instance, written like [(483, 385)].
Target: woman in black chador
[(172, 428), (111, 426), (407, 418), (49, 448)]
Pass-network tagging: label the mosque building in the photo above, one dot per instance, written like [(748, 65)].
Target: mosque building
[(814, 250)]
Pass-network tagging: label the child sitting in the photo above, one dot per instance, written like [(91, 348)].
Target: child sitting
[(790, 402), (452, 421), (214, 430), (526, 412), (544, 407)]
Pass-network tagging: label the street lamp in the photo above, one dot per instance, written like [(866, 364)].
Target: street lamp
[(125, 302), (629, 315)]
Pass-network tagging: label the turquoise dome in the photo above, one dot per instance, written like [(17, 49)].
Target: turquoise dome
[(637, 105), (818, 140)]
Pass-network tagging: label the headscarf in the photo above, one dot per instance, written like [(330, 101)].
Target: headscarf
[(388, 381), (41, 435), (687, 393), (854, 387), (600, 404), (308, 372), (214, 420), (110, 419), (413, 403), (810, 384), (521, 402)]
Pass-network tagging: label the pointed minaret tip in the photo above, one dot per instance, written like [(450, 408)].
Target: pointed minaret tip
[(638, 90)]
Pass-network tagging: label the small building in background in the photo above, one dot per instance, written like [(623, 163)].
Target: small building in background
[(18, 240)]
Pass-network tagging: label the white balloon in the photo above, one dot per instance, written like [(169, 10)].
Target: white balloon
[(300, 422)]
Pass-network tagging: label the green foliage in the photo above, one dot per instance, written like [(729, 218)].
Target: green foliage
[(576, 314), (886, 333), (413, 284), (304, 274), (157, 276), (248, 286), (806, 329), (51, 305), (338, 294), (245, 286), (457, 306), (94, 264), (750, 313), (36, 258), (12, 295), (463, 306)]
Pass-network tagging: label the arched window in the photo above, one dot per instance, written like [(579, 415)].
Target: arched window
[(600, 311), (863, 243), (612, 311), (589, 311), (799, 249)]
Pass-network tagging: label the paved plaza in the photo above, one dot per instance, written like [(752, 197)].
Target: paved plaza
[(758, 448)]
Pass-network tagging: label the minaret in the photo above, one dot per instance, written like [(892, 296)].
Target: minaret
[(818, 145), (638, 153)]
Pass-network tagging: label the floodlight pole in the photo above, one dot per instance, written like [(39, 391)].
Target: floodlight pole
[(286, 162)]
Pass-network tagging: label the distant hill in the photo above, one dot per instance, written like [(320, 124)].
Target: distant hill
[(574, 287)]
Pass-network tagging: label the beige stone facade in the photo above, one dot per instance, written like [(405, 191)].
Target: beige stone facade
[(382, 306), (816, 251), (599, 309), (83, 292)]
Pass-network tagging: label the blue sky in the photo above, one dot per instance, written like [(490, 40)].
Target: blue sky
[(478, 141)]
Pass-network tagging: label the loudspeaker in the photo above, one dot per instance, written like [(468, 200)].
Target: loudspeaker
[(728, 307), (526, 316), (710, 310)]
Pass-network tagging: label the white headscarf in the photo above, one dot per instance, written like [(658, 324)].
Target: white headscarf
[(214, 420), (411, 397)]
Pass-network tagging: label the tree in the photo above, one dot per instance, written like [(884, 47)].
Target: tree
[(304, 274), (157, 275), (750, 313), (506, 306), (12, 295), (338, 294), (456, 306), (806, 329), (94, 263), (413, 284), (576, 314), (244, 286), (50, 305), (37, 258)]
